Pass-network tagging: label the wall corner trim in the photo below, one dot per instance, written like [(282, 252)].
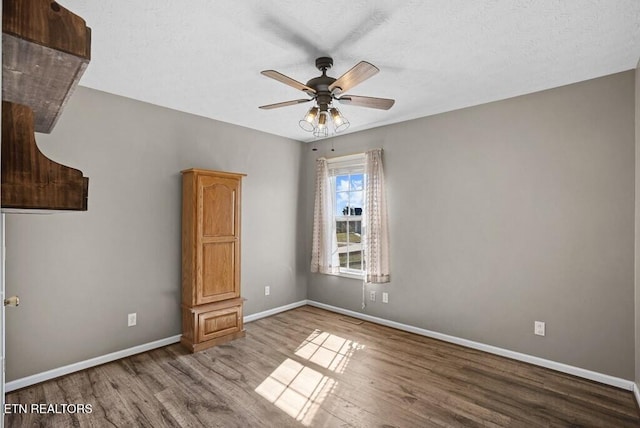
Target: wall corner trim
[(636, 393), (553, 365)]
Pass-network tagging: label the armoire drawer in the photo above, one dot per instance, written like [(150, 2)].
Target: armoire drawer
[(219, 322)]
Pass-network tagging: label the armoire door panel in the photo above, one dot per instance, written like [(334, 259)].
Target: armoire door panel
[(218, 207), (218, 272)]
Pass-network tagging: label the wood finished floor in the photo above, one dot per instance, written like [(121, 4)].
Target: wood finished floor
[(310, 367)]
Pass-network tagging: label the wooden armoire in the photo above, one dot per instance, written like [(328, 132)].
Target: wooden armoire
[(211, 301)]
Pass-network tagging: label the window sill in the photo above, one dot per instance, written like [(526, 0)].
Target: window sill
[(350, 275), (359, 277)]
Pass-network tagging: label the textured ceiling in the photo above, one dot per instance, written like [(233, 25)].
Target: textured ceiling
[(204, 57)]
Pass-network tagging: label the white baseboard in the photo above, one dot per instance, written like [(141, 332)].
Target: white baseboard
[(269, 312), (82, 365), (61, 371), (564, 368)]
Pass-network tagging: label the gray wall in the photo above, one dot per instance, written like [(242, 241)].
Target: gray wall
[(79, 274), (501, 214), (637, 231), (507, 213)]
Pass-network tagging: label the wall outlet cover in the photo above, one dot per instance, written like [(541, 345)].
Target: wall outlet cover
[(372, 296), (267, 290), (539, 328), (132, 319), (385, 297)]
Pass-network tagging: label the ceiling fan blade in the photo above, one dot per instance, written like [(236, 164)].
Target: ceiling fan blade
[(371, 102), (287, 80), (284, 104), (358, 74)]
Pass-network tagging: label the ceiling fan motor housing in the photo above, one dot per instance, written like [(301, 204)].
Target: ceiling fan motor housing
[(321, 84), (324, 63)]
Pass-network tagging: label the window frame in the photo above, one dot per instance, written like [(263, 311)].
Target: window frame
[(339, 166)]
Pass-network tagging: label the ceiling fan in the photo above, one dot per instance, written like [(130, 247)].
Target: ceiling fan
[(324, 90)]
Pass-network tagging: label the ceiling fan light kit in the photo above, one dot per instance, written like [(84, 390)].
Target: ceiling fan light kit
[(341, 123), (321, 130), (314, 119), (323, 90), (307, 122)]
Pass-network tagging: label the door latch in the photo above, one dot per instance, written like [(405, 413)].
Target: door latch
[(12, 301)]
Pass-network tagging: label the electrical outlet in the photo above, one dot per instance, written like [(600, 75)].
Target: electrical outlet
[(538, 328), (372, 296), (131, 319), (385, 297), (267, 290)]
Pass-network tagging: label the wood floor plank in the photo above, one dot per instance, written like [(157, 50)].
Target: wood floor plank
[(352, 412), (453, 374), (143, 408), (310, 367), (440, 398)]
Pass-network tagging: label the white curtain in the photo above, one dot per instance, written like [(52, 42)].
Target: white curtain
[(376, 235), (324, 253)]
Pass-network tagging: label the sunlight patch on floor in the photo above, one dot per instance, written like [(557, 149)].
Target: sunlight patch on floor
[(296, 389), (299, 390), (328, 350)]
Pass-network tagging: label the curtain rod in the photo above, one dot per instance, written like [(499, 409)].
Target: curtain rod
[(351, 154)]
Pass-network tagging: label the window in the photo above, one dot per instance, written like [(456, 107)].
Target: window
[(347, 188), (348, 196), (350, 225)]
